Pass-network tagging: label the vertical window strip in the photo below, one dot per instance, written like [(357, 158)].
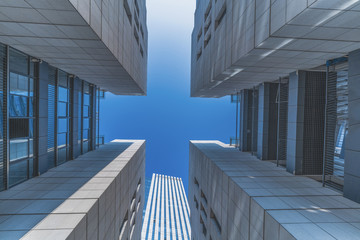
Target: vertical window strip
[(153, 205)]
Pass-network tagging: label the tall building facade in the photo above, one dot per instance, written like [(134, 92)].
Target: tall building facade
[(235, 196), (167, 211), (291, 67), (57, 58), (294, 85)]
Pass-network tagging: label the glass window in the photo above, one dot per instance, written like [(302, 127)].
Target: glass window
[(62, 139), (62, 125), (86, 111), (85, 135), (19, 148), (19, 62), (86, 123), (19, 84), (62, 109), (63, 94), (31, 107), (62, 155), (18, 172), (18, 106), (86, 99)]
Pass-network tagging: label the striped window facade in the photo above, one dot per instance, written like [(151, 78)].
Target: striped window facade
[(167, 211)]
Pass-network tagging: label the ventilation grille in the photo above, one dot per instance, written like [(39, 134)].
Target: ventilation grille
[(255, 106), (3, 117), (51, 117), (314, 117), (336, 119), (283, 98)]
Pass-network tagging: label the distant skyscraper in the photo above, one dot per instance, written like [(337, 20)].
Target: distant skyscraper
[(167, 211)]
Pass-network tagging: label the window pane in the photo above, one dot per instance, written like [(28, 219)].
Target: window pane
[(18, 62), (62, 109), (62, 139), (19, 148), (31, 87), (86, 123), (85, 147), (19, 84), (62, 125), (86, 99), (31, 107), (31, 167), (63, 94), (85, 111), (18, 106), (31, 148), (63, 79), (85, 135), (18, 172), (31, 128), (62, 155), (18, 128)]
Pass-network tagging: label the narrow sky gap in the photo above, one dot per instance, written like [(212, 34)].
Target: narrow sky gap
[(167, 118)]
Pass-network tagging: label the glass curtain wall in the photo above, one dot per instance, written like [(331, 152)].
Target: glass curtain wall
[(86, 119), (63, 112), (21, 117), (58, 117)]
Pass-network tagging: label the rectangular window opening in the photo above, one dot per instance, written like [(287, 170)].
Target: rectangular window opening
[(127, 10), (215, 221), (220, 17)]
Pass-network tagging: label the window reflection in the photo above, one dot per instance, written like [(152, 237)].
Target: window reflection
[(21, 112)]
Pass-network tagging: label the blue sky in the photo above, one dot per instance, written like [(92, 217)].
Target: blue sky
[(167, 118)]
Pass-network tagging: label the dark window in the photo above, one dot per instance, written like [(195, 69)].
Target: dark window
[(127, 10)]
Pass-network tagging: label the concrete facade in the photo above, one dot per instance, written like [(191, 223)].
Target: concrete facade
[(167, 210), (240, 44), (235, 196), (103, 42), (100, 195)]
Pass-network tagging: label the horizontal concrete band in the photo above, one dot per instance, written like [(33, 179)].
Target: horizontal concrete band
[(81, 199), (258, 200)]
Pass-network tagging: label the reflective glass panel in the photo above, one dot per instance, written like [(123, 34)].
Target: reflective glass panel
[(62, 109), (86, 99), (85, 135), (19, 84), (19, 148), (62, 139), (86, 123), (18, 172), (18, 106), (62, 125), (86, 111), (63, 94), (62, 155)]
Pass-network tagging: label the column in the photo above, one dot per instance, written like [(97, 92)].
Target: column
[(267, 121), (41, 128), (246, 120), (306, 116), (76, 117)]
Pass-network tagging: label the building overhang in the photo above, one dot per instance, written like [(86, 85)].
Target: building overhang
[(282, 39), (56, 32)]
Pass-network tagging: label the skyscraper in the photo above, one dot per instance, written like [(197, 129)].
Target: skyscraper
[(292, 69), (167, 211), (57, 58)]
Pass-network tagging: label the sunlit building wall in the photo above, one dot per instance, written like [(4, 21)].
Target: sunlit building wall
[(167, 211)]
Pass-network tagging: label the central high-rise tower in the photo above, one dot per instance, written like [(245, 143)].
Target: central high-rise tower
[(167, 210)]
